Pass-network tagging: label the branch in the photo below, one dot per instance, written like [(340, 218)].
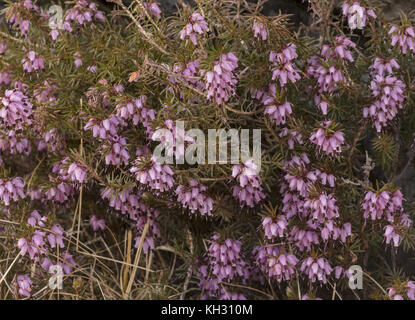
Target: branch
[(147, 36)]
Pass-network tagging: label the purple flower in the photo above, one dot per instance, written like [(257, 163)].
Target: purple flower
[(293, 137), (13, 144), (51, 141), (67, 262), (392, 232), (277, 111), (36, 219), (130, 205), (11, 190), (153, 8), (92, 68), (404, 36), (249, 191), (78, 59), (3, 47), (188, 72), (34, 247), (382, 204), (83, 11), (389, 93), (54, 34), (5, 78), (305, 236), (281, 266), (157, 176), (274, 226), (24, 283), (104, 129), (97, 224), (136, 111), (225, 258), (33, 62), (327, 139), (16, 111), (260, 30), (56, 236), (77, 172), (170, 139), (338, 50), (196, 26), (221, 80), (399, 291), (283, 68), (323, 207), (193, 197), (60, 192), (382, 66), (356, 14), (116, 151), (316, 269), (25, 247)]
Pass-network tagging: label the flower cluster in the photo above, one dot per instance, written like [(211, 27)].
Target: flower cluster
[(113, 146), (194, 198), (159, 177), (317, 210), (24, 285), (51, 141), (196, 25), (221, 80), (17, 15), (323, 207), (283, 68), (326, 69), (274, 227), (387, 206), (356, 14), (11, 190), (260, 30), (382, 204), (16, 110), (66, 263), (224, 263), (173, 138), (37, 246), (153, 8), (277, 111), (188, 72), (316, 269), (225, 259), (404, 36), (77, 172), (328, 140), (388, 91), (400, 292), (129, 204), (249, 191), (11, 143), (97, 224), (83, 11), (104, 129), (33, 62), (136, 111)]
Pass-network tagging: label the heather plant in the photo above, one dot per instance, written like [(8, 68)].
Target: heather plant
[(84, 95)]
